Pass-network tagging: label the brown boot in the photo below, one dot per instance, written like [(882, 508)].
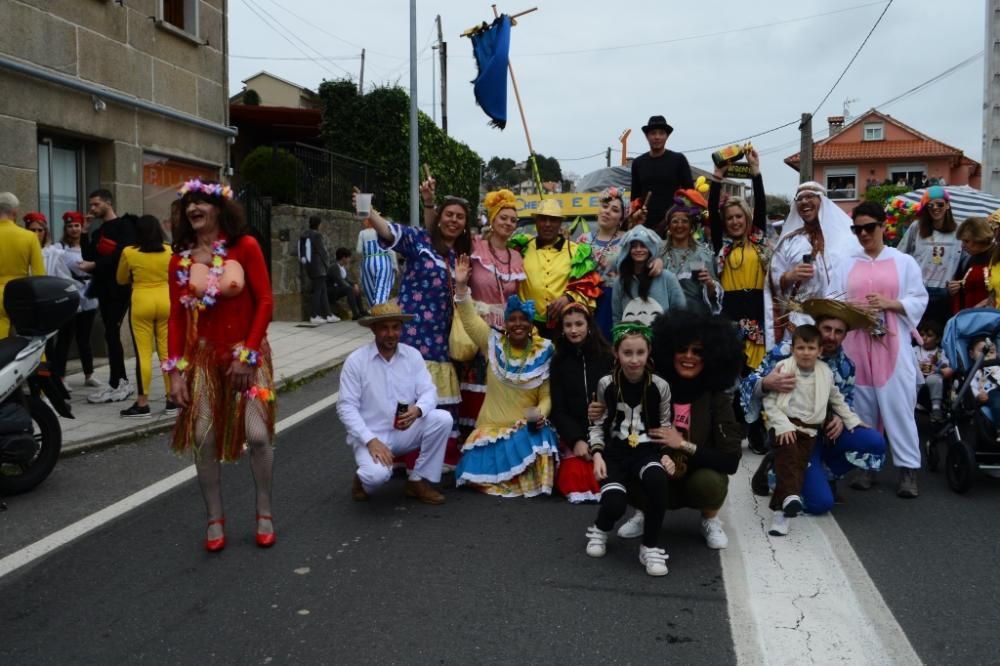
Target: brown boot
[(422, 491), (358, 493)]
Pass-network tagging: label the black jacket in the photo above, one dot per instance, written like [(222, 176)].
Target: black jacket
[(105, 249), (662, 176), (572, 390)]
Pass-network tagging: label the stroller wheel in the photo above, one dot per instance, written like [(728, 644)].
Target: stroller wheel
[(932, 454), (960, 467)]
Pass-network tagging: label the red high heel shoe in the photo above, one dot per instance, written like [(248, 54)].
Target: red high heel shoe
[(215, 545), (265, 540)]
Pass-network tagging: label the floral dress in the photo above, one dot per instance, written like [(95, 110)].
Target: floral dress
[(426, 291), (605, 254)]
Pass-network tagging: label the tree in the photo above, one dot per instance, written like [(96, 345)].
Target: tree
[(272, 171), (500, 173), (375, 128), (881, 194), (251, 97), (778, 204), (548, 168)]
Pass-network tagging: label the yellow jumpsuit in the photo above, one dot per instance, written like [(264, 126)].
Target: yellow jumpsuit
[(20, 256), (148, 273)]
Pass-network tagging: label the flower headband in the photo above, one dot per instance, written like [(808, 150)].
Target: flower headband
[(515, 304), (612, 193), (689, 202), (211, 189), (620, 330)]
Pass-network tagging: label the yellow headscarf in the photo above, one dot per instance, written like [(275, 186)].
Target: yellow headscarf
[(497, 201)]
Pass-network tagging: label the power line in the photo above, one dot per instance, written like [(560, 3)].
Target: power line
[(699, 36), (854, 57), (280, 29), (575, 159), (296, 58), (312, 23), (741, 140)]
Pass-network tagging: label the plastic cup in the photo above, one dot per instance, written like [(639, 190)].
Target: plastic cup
[(363, 204)]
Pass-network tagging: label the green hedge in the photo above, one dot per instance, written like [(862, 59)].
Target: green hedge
[(375, 128), (272, 172)]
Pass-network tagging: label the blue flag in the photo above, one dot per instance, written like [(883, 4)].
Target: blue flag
[(491, 47)]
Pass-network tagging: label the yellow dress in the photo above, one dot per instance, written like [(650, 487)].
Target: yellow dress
[(993, 283), (20, 256), (503, 456), (742, 270)]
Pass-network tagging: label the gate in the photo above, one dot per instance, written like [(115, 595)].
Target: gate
[(258, 213)]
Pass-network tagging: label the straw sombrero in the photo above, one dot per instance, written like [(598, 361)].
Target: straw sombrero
[(388, 311), (854, 317)]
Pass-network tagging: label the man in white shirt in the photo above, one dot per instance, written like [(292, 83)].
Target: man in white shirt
[(387, 403)]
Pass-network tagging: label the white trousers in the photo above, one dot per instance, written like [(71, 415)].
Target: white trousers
[(892, 407), (429, 433)]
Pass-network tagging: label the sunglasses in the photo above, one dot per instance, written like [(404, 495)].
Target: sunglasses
[(867, 228), (450, 200), (802, 197), (695, 350), (937, 204)]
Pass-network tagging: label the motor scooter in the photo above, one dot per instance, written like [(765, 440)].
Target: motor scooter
[(30, 435)]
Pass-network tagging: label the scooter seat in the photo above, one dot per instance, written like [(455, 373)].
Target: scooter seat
[(10, 348)]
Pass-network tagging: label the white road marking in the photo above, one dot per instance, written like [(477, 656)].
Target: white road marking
[(802, 598), (60, 538)]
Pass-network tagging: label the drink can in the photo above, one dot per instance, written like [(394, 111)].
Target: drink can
[(401, 408)]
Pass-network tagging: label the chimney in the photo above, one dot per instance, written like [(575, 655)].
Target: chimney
[(836, 124)]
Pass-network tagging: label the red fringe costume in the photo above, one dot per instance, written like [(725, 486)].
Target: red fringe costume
[(205, 338)]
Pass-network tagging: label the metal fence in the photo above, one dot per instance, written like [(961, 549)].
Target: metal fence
[(324, 179), (258, 213)]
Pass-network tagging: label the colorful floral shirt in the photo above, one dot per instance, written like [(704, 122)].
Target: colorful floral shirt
[(605, 254), (425, 291)]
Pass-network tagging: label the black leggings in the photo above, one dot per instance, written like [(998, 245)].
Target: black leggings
[(112, 314), (78, 328), (614, 498)]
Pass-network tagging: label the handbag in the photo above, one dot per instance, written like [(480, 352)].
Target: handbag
[(460, 345)]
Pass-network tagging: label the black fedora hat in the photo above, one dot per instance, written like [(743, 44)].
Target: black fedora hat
[(657, 122)]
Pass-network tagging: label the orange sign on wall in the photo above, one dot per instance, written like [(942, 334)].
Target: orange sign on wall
[(162, 177)]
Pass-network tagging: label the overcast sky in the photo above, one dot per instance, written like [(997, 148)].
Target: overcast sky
[(588, 70)]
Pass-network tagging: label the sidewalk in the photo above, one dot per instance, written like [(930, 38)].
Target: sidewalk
[(299, 351)]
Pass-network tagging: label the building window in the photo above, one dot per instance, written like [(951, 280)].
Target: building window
[(180, 14), (913, 176), (874, 132), (842, 184)]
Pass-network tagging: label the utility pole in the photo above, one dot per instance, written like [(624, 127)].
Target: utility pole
[(434, 104), (607, 156), (806, 148), (361, 79), (991, 101), (414, 137), (442, 47)]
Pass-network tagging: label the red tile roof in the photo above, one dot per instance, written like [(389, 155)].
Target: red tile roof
[(828, 151), (878, 150)]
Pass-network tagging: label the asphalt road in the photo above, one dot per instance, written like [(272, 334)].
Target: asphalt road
[(387, 581)]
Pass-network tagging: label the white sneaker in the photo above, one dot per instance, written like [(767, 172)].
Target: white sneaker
[(92, 382), (792, 506), (124, 391), (633, 527), (715, 537), (101, 395), (779, 524), (597, 541), (332, 319), (317, 320), (655, 560)]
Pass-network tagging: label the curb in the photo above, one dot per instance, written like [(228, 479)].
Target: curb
[(163, 424)]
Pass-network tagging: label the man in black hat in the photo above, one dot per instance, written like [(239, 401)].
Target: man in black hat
[(659, 171)]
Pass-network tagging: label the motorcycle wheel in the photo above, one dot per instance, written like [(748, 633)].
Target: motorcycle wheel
[(20, 478)]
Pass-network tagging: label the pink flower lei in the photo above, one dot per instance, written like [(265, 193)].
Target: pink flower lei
[(212, 284)]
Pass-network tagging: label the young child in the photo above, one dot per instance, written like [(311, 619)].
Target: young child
[(934, 365), (636, 401), (986, 381), (796, 417)]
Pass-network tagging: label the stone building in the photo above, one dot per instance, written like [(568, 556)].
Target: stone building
[(129, 96)]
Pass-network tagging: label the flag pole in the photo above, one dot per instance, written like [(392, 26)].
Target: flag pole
[(520, 109)]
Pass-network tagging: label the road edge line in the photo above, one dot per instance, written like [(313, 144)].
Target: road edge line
[(73, 531)]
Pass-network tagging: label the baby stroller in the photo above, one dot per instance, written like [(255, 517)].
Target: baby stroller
[(970, 438)]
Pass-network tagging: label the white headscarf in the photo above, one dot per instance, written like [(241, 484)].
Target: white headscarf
[(838, 240)]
